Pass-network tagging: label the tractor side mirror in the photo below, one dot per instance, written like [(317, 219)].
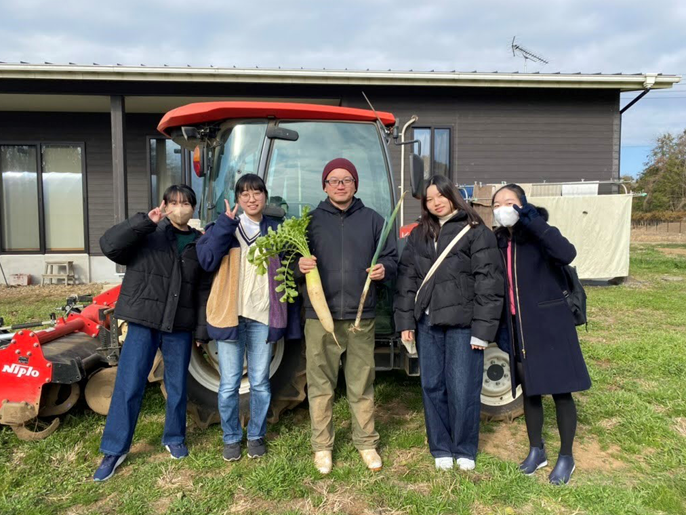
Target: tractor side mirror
[(274, 132), (416, 175)]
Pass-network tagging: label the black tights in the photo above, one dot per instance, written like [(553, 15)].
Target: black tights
[(533, 414)]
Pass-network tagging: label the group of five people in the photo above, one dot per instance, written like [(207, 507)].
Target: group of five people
[(460, 285)]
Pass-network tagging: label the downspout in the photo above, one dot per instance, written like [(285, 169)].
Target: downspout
[(402, 164), (647, 86), (648, 83)]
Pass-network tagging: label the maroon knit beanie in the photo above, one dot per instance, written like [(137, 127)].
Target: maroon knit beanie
[(340, 162)]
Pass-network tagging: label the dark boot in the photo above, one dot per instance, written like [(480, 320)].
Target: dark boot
[(563, 470), (534, 461)]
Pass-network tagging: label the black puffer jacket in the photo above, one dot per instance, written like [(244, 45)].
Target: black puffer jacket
[(161, 289), (465, 291), (344, 243)]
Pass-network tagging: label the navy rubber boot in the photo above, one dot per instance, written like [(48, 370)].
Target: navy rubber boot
[(563, 470), (534, 461)]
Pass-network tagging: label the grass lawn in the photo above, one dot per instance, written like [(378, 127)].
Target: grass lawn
[(630, 448)]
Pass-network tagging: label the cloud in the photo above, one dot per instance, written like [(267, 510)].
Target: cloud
[(583, 35)]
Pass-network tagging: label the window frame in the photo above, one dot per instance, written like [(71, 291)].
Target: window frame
[(433, 128), (38, 145)]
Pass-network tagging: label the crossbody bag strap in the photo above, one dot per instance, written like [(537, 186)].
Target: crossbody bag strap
[(440, 259)]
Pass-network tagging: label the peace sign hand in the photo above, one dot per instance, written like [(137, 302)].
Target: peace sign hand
[(158, 214), (231, 213)]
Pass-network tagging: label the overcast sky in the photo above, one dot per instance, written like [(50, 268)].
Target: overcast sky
[(573, 35)]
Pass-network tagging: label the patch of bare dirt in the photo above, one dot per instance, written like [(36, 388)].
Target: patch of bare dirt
[(680, 426), (103, 506), (404, 462), (397, 411), (507, 442), (656, 237), (672, 252), (174, 479), (590, 456), (609, 423), (38, 292)]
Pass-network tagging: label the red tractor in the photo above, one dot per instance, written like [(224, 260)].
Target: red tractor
[(288, 145)]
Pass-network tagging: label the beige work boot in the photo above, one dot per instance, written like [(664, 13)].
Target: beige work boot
[(372, 459), (323, 461)]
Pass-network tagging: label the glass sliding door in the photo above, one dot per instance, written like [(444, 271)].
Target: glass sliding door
[(20, 210), (63, 198)]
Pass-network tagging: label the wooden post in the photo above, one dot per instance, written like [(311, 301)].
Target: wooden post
[(118, 122)]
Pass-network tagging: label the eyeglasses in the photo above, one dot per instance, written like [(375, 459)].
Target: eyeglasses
[(246, 195), (335, 182)]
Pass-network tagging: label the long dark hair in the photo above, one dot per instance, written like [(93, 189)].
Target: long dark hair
[(429, 223)]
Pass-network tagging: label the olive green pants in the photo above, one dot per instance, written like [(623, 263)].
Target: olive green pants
[(323, 361)]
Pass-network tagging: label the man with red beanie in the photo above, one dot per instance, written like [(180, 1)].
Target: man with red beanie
[(343, 236)]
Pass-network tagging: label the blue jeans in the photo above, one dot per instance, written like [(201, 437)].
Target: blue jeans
[(135, 362), (451, 374), (252, 338)]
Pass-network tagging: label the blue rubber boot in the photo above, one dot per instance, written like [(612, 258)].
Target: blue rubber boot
[(564, 468), (534, 461)]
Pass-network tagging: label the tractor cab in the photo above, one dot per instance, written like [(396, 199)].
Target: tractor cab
[(287, 145)]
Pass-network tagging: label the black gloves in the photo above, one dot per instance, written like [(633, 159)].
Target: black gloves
[(527, 213)]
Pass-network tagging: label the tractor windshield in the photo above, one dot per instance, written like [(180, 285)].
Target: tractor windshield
[(294, 172)]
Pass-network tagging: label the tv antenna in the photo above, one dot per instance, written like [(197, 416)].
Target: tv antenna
[(526, 54)]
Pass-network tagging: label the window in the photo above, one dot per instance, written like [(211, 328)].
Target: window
[(170, 164), (435, 150), (43, 201), (62, 198), (166, 167)]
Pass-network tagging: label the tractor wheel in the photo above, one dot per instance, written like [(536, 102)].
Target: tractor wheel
[(36, 429), (497, 402), (99, 390), (286, 372)]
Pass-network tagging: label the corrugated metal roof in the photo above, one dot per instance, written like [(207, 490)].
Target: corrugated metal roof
[(452, 78), (266, 68)]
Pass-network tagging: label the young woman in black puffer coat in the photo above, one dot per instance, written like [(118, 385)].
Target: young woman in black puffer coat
[(537, 326), (455, 313)]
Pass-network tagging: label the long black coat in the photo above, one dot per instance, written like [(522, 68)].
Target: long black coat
[(161, 289), (465, 291), (551, 356)]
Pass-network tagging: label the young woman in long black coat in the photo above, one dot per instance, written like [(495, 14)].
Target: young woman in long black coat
[(537, 326), (455, 314)]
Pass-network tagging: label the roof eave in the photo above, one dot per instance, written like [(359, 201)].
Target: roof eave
[(337, 77)]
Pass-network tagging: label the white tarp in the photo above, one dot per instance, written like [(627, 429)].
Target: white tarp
[(600, 229)]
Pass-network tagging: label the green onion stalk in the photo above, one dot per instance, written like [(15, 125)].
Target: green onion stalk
[(387, 228)]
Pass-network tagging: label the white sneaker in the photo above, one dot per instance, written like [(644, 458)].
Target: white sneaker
[(323, 462), (371, 459), (444, 463), (465, 463)]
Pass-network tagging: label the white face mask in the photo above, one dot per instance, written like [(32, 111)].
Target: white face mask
[(505, 216)]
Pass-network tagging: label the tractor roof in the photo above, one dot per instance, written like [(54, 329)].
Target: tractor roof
[(204, 112)]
